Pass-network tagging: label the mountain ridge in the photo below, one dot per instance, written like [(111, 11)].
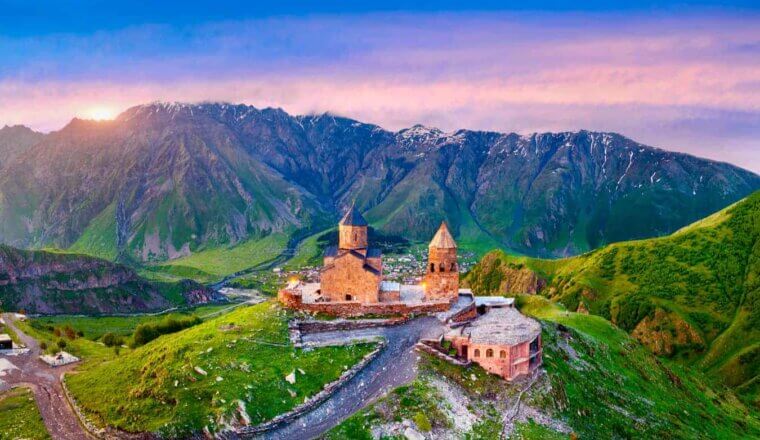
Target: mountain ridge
[(173, 179)]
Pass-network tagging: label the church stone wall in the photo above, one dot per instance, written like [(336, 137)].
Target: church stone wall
[(442, 285), (348, 276)]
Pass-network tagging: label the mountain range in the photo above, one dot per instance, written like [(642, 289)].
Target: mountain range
[(165, 180)]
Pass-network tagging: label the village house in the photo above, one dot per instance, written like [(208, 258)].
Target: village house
[(503, 341), (6, 343)]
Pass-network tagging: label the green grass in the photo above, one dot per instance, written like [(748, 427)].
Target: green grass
[(155, 387), (693, 296), (95, 327), (534, 431), (99, 238), (214, 264), (19, 416), (614, 387)]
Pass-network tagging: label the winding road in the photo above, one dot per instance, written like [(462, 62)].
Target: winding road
[(45, 381), (395, 366)]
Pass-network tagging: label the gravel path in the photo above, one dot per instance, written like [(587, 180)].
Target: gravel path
[(44, 381), (395, 366)]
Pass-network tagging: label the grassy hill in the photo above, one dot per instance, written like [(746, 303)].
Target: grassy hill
[(245, 356), (599, 383), (693, 296)]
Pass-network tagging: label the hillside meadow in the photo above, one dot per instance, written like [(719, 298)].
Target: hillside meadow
[(229, 368), (693, 296)]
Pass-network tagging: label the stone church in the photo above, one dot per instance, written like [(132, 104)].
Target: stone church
[(352, 275)]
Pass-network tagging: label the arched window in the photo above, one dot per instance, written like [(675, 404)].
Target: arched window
[(453, 267), (432, 267), (441, 268), (356, 237), (489, 353), (503, 354), (477, 353)]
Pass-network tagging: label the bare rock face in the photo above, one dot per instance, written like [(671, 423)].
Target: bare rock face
[(663, 332), (51, 283), (494, 277)]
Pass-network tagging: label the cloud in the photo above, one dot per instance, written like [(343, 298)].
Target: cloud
[(687, 83)]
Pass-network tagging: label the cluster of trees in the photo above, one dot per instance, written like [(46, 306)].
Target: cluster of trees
[(147, 332)]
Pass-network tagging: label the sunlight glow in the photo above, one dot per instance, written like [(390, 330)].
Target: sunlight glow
[(100, 113)]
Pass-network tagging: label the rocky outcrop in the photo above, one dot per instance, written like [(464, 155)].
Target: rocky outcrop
[(664, 331), (493, 276), (54, 283)]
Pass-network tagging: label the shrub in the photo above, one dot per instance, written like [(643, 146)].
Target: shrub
[(422, 422), (150, 331), (69, 332), (112, 340), (43, 346), (61, 344)]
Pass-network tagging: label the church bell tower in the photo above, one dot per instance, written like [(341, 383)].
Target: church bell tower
[(442, 277), (352, 231)]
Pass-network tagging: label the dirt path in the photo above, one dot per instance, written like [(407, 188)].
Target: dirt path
[(45, 382), (395, 366)]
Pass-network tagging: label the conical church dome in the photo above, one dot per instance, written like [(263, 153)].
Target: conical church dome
[(443, 239)]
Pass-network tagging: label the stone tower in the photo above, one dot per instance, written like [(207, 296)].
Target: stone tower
[(442, 277), (352, 231)]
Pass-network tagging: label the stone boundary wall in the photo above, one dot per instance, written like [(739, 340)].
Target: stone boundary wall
[(314, 401), (308, 327), (107, 433), (297, 328), (427, 346), (347, 309)]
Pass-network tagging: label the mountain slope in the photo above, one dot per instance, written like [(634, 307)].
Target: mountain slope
[(15, 140), (163, 181), (694, 295), (54, 283)]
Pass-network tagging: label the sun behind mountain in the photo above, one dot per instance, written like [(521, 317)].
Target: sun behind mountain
[(100, 113)]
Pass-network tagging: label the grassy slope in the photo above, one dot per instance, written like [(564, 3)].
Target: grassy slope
[(214, 264), (606, 386), (696, 291), (19, 416), (137, 391)]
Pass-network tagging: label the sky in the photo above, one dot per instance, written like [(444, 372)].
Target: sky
[(683, 76)]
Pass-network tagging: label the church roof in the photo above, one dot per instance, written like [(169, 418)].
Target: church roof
[(504, 326), (353, 217), (443, 239), (331, 251)]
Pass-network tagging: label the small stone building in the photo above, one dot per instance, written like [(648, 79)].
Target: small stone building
[(503, 341), (6, 343)]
